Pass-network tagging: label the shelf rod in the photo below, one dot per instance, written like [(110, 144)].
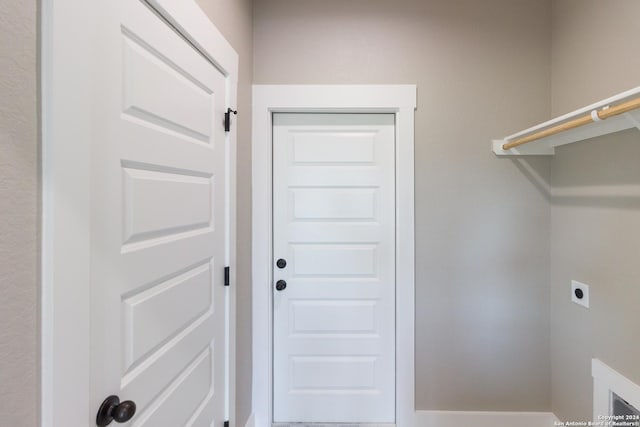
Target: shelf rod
[(603, 114)]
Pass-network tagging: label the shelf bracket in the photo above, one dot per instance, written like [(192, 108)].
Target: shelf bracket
[(633, 120)]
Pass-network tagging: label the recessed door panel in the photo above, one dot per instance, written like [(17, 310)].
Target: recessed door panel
[(332, 373), (333, 260), (340, 204), (164, 93), (185, 397), (333, 316), (157, 314), (161, 203), (327, 146)]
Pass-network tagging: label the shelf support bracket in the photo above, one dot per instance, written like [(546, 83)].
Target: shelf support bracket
[(633, 120)]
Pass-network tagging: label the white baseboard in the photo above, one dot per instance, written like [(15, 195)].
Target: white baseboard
[(483, 419), (251, 422), (474, 419)]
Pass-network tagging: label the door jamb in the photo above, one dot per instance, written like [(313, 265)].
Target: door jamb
[(268, 99), (66, 87)]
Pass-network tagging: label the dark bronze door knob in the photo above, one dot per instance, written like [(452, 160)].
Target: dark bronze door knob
[(281, 285), (114, 410)]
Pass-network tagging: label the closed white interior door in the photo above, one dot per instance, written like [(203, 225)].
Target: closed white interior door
[(158, 222), (334, 227)]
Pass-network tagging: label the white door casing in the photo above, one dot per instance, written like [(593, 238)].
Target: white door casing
[(399, 100), (334, 224), (145, 220)]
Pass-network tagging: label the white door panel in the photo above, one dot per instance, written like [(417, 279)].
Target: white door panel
[(158, 222), (334, 222), (154, 203), (340, 204), (182, 103)]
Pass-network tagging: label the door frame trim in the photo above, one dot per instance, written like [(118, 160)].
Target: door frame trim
[(66, 128), (268, 99)]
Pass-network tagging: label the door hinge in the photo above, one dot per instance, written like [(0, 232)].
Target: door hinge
[(226, 423), (227, 119), (226, 276)]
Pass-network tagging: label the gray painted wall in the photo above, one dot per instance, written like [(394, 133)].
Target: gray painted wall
[(234, 19), (482, 233), (595, 229), (18, 213)]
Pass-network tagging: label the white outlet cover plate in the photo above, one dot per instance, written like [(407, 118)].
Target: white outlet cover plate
[(585, 291)]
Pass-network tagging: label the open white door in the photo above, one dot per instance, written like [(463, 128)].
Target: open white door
[(159, 220), (334, 268)]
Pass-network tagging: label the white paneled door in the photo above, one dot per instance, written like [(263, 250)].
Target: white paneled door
[(158, 222), (334, 268)]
